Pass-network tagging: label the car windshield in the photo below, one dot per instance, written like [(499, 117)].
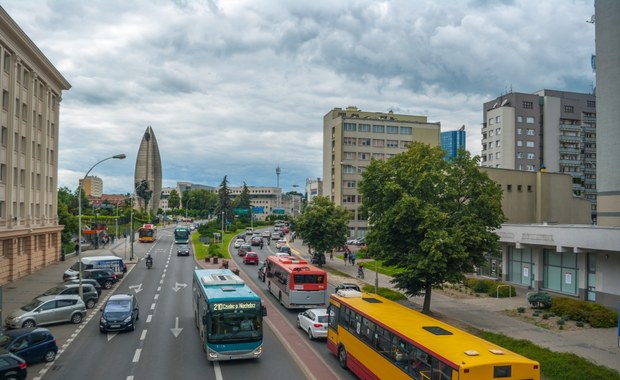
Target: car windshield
[(32, 305), (182, 248), (53, 291), (117, 306)]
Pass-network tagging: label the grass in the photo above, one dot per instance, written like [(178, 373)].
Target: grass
[(200, 248), (553, 365)]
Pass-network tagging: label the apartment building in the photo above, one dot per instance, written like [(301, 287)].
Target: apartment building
[(29, 121), (92, 186), (547, 130), (351, 138)]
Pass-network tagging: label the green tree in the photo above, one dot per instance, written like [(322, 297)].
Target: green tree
[(431, 218), (323, 225), (174, 200), (224, 204), (65, 217)]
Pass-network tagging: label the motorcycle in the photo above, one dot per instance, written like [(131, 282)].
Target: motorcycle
[(360, 272), (149, 263)]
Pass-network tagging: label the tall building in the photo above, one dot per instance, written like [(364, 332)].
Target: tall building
[(148, 168), (31, 94), (607, 89), (352, 137), (452, 141), (92, 186), (547, 130), (314, 187)]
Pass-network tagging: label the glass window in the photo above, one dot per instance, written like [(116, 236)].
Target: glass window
[(498, 119), (406, 130), (519, 119), (498, 155), (363, 156), (519, 142), (529, 120), (364, 128), (530, 156), (528, 105), (350, 141), (498, 131), (378, 128), (378, 143), (392, 129), (405, 144), (392, 143), (569, 109), (530, 132), (498, 143), (350, 127), (529, 144)]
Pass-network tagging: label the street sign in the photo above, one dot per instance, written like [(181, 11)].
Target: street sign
[(279, 211), (241, 211)]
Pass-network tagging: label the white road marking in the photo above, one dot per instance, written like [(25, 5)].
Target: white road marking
[(153, 306), (218, 371), (156, 296), (136, 356), (143, 336), (148, 318)]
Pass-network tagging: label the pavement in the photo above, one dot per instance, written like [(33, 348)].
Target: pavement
[(486, 313), (598, 345)]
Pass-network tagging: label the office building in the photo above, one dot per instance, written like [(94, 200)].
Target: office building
[(547, 130), (351, 137), (31, 94), (452, 141), (92, 186)]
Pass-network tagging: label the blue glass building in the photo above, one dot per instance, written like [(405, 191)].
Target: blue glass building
[(452, 141)]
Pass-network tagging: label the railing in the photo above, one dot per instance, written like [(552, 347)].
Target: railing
[(501, 286)]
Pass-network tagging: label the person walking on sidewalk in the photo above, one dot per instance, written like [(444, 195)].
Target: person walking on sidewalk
[(331, 255), (346, 258), (352, 258)]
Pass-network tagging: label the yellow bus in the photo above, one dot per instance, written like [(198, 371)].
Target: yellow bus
[(377, 338)]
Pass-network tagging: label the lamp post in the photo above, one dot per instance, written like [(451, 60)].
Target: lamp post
[(79, 245), (223, 213)]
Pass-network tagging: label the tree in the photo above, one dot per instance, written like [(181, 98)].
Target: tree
[(174, 200), (224, 204), (65, 217), (431, 218), (323, 225)]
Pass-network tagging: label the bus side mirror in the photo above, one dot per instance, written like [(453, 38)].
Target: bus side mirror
[(264, 311)]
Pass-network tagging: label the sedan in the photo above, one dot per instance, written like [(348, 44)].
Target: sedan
[(183, 250), (266, 234), (33, 345), (238, 243), (256, 240), (314, 322), (250, 258)]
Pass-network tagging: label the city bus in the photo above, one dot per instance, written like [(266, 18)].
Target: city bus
[(295, 283), (378, 338), (229, 315), (181, 235), (147, 233)]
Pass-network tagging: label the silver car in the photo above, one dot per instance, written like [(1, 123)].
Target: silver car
[(47, 310)]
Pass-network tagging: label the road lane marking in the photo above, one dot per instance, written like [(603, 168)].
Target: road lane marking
[(218, 371), (148, 318), (156, 296), (153, 306), (143, 336), (136, 356)]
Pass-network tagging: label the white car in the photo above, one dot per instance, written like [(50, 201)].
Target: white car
[(238, 243), (266, 234), (280, 243), (314, 322)]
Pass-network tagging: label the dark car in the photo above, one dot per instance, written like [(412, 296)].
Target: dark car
[(250, 258), (89, 293), (256, 240), (285, 249), (183, 250), (12, 366), (91, 281), (33, 345), (120, 312), (243, 249), (104, 276)]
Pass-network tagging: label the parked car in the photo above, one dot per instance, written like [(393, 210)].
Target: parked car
[(250, 258), (120, 312), (12, 367), (33, 345), (106, 277), (47, 310), (314, 322), (285, 249), (261, 271), (182, 250), (238, 243), (255, 242), (347, 286), (91, 281), (243, 249), (89, 294)]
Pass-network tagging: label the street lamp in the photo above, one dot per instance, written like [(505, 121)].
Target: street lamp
[(79, 245), (223, 228)]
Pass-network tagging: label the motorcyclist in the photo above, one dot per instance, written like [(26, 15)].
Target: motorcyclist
[(149, 260), (261, 243), (360, 271)]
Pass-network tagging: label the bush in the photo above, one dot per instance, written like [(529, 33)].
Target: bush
[(504, 291), (480, 285), (521, 309), (596, 315), (540, 300)]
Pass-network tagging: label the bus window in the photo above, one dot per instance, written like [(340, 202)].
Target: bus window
[(420, 364)]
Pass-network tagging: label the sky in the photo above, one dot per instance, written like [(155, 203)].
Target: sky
[(240, 87)]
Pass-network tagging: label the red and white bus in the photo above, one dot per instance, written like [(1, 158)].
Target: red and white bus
[(295, 283)]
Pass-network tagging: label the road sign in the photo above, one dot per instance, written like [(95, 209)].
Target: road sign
[(279, 211)]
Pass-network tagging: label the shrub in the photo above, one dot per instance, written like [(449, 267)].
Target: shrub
[(540, 300), (560, 322), (579, 324), (596, 315), (480, 285), (546, 316), (521, 309), (504, 291)]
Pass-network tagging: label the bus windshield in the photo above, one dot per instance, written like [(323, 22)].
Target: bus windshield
[(234, 326)]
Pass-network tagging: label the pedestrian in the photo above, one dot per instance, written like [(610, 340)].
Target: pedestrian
[(346, 257), (331, 255), (352, 258), (261, 243)]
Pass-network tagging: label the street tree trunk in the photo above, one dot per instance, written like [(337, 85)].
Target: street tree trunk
[(426, 308)]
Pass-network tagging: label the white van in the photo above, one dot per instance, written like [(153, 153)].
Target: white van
[(96, 262), (249, 231)]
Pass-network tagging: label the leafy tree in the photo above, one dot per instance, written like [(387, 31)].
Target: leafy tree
[(174, 200), (203, 200), (65, 217), (431, 218), (323, 225), (224, 204)]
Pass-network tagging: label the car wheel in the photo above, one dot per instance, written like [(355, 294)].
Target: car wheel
[(76, 318), (310, 334), (11, 377), (90, 303), (298, 323), (342, 357), (50, 356), (28, 324), (107, 284)]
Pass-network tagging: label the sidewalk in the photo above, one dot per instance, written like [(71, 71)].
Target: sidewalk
[(598, 345)]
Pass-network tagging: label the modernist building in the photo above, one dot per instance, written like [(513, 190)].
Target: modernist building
[(352, 137), (148, 168), (29, 121), (550, 130), (452, 141), (92, 186)]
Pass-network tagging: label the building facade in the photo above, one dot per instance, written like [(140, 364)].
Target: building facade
[(314, 188), (452, 141), (92, 186), (29, 121), (351, 138), (547, 130)]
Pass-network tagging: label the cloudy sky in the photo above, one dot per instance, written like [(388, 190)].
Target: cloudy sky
[(238, 87)]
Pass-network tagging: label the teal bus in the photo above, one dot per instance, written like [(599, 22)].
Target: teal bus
[(228, 314), (181, 235)]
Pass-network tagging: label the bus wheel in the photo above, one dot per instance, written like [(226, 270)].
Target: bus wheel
[(342, 357), (280, 298)]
